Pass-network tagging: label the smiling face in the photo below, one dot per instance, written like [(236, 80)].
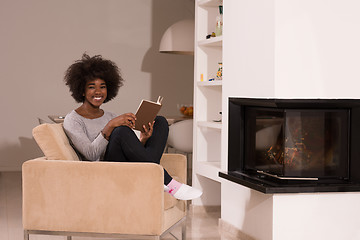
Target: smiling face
[(95, 92)]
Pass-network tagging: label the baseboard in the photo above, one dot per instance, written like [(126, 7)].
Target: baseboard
[(233, 232), (202, 210)]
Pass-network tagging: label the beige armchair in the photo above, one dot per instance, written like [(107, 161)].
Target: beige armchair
[(65, 196)]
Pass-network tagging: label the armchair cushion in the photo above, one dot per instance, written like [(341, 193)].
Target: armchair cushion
[(54, 143)]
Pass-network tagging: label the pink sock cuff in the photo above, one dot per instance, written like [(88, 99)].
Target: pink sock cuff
[(173, 186)]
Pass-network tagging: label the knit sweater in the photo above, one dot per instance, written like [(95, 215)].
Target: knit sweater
[(85, 134)]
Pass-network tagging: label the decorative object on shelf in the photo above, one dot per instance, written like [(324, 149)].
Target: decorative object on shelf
[(179, 38), (219, 22), (210, 35), (219, 72), (186, 110), (218, 120)]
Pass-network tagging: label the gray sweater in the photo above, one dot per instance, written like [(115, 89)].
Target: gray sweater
[(85, 134)]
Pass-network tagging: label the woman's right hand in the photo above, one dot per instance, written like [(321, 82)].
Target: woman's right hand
[(126, 119)]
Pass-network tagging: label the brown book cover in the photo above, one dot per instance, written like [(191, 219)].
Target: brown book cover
[(146, 113)]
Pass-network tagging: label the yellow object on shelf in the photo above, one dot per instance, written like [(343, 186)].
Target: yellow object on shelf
[(219, 72)]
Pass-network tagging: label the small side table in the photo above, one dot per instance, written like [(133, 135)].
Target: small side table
[(174, 119), (56, 118)]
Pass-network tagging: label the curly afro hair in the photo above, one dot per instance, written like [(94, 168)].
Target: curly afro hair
[(91, 68)]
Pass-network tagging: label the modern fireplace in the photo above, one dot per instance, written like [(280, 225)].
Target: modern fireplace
[(294, 145)]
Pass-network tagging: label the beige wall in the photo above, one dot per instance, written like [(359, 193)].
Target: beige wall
[(41, 38)]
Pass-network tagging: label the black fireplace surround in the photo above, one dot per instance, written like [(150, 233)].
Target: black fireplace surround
[(294, 145)]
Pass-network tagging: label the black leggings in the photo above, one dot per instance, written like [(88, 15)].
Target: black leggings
[(124, 145)]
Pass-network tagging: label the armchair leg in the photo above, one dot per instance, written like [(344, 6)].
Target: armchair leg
[(183, 231), (68, 238), (26, 235)]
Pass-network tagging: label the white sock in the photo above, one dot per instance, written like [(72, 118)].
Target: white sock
[(182, 191)]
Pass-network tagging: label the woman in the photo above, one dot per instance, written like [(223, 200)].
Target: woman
[(99, 135)]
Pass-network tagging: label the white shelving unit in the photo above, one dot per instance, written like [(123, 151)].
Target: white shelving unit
[(210, 83), (211, 42), (207, 100), (214, 125)]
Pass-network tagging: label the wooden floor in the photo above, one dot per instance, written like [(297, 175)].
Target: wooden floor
[(199, 226)]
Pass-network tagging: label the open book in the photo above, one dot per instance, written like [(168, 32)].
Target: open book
[(146, 113)]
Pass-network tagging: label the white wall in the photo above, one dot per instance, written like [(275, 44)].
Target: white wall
[(248, 55), (248, 48), (247, 210), (317, 48), (329, 216), (41, 38), (296, 48)]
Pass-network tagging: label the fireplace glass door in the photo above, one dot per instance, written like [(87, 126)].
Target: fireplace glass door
[(298, 143)]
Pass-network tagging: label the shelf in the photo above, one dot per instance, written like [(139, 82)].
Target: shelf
[(211, 42), (209, 169), (209, 83), (208, 3), (208, 124)]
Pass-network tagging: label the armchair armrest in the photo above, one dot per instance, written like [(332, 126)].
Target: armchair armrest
[(73, 196), (175, 165)]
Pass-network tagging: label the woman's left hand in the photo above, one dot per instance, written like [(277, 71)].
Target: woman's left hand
[(146, 134)]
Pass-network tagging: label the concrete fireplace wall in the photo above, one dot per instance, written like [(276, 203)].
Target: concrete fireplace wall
[(317, 48), (291, 216), (290, 49)]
